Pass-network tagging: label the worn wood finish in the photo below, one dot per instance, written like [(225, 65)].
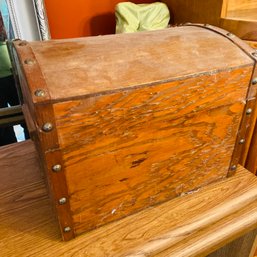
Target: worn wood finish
[(192, 225), (151, 144), (98, 65), (128, 139), (31, 80), (243, 153)]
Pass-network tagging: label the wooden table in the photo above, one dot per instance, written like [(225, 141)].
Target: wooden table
[(194, 224)]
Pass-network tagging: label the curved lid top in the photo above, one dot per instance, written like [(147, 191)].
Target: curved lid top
[(82, 66)]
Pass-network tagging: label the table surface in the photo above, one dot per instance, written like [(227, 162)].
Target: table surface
[(194, 224)]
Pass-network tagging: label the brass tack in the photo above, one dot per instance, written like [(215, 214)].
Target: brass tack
[(249, 111), (241, 141), (230, 34), (47, 127), (40, 93), (62, 200), (56, 168), (233, 167), (29, 61), (254, 81), (67, 229)]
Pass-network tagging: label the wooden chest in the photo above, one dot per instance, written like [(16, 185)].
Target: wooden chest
[(124, 122)]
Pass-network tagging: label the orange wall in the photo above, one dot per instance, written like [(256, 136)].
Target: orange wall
[(80, 18)]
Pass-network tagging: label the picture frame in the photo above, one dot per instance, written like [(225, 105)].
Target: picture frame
[(42, 20), (27, 19)]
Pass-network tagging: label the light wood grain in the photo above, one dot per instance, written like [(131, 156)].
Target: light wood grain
[(245, 29), (191, 225), (241, 9)]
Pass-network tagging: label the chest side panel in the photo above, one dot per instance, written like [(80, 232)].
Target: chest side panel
[(138, 147)]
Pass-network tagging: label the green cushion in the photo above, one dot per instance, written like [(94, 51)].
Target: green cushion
[(5, 63), (132, 17)]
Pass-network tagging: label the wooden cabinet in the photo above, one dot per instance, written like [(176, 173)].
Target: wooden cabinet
[(236, 16), (240, 18)]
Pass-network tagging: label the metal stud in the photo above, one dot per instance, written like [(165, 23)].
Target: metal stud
[(62, 200), (254, 81), (67, 229), (56, 168), (249, 111), (29, 61), (40, 93), (241, 141), (47, 127), (230, 34), (233, 167)]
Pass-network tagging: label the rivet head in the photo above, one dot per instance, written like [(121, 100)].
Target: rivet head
[(249, 111), (40, 93), (254, 81), (47, 127), (67, 229), (57, 168), (230, 34), (233, 167), (207, 25), (241, 141), (62, 200), (29, 61)]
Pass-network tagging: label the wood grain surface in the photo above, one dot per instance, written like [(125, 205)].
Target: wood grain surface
[(207, 11), (236, 16), (134, 128), (136, 148), (245, 29), (241, 9), (192, 225), (72, 68)]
